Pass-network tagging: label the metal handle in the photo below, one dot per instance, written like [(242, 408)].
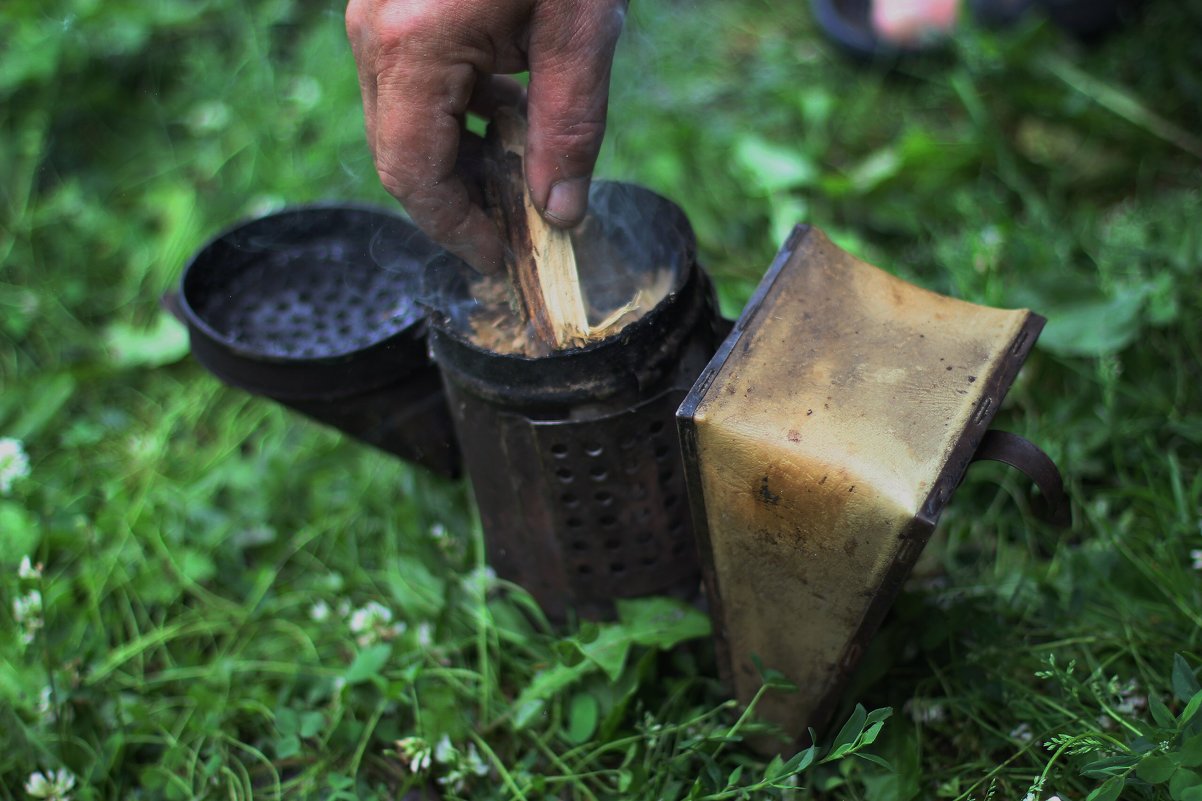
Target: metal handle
[(1021, 453)]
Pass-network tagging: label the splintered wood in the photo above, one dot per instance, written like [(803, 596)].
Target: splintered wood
[(540, 260)]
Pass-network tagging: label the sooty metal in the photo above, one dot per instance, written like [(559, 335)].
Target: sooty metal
[(573, 457), (316, 308)]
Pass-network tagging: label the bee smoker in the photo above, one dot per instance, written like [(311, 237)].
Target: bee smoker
[(573, 456), (813, 451)]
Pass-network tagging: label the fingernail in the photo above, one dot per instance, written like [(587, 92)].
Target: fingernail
[(568, 201)]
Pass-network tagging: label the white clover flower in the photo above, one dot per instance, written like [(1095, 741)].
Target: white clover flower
[(425, 635), (473, 762), (924, 710), (373, 623), (319, 612), (54, 785), (1022, 732), (480, 580), (369, 616), (444, 752), (27, 607), (416, 752), (1131, 700), (45, 706), (27, 611), (1196, 555), (28, 570), (14, 463)]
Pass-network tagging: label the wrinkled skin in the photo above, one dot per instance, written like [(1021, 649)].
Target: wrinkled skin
[(423, 64)]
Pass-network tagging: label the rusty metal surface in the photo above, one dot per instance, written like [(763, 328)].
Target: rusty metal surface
[(822, 442), (582, 512), (581, 494)]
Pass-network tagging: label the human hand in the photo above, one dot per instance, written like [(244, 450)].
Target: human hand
[(424, 63)]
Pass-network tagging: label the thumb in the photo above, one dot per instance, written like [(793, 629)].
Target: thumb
[(571, 53)]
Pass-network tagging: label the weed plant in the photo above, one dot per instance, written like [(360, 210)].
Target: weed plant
[(205, 596)]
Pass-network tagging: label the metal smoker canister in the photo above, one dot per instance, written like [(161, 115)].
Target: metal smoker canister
[(574, 457)]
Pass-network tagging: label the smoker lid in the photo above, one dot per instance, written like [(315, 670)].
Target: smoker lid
[(315, 301)]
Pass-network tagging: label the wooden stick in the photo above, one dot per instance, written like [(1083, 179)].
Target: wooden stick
[(541, 262)]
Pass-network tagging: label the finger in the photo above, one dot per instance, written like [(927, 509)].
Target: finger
[(571, 53), (419, 113), (496, 91)]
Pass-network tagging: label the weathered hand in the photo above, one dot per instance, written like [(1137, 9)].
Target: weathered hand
[(424, 63)]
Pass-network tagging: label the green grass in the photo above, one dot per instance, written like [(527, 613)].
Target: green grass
[(191, 536)]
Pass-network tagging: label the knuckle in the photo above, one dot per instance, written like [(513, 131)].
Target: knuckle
[(356, 19), (409, 33)]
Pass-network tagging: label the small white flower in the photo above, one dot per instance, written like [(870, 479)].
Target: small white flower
[(1196, 555), (54, 785), (28, 570), (924, 710), (444, 752), (473, 762), (1022, 732), (438, 531), (27, 607), (416, 752), (369, 616), (27, 611), (425, 635), (480, 580), (373, 623), (45, 706), (1131, 700), (14, 463), (319, 612)]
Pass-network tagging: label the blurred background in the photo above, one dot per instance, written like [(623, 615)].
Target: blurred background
[(187, 532)]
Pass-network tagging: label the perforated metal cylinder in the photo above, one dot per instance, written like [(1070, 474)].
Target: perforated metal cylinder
[(574, 458)]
